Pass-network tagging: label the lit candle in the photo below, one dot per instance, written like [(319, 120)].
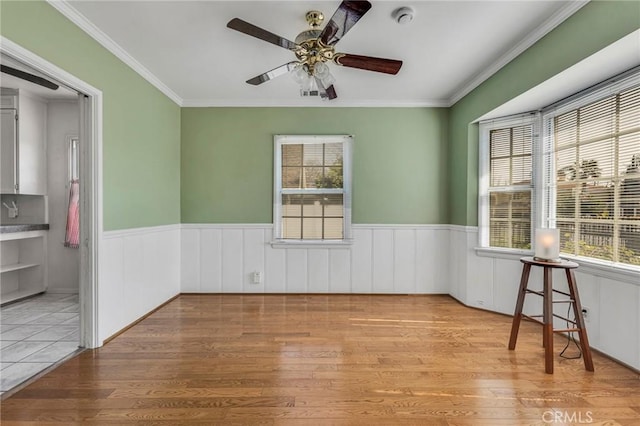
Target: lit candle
[(547, 245)]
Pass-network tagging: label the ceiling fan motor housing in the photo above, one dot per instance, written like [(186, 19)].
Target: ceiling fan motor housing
[(311, 50)]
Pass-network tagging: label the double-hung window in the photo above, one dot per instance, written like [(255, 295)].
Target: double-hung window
[(506, 182), (592, 172), (312, 188)]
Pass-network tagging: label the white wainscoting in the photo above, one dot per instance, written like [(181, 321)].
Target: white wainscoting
[(399, 259), (139, 271), (491, 282), (143, 268)]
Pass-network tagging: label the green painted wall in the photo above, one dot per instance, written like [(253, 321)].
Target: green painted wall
[(399, 175), (592, 28), (141, 134), (411, 165)]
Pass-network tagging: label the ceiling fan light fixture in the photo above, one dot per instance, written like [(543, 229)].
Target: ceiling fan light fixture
[(309, 87), (314, 47), (299, 74), (322, 71), (309, 80)]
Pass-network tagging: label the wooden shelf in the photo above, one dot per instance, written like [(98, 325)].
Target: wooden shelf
[(17, 267)]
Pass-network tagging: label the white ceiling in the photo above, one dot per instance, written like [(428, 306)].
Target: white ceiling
[(185, 49)]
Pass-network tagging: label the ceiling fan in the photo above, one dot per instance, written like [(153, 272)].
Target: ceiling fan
[(315, 47)]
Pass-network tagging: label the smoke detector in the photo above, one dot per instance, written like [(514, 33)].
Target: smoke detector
[(403, 15)]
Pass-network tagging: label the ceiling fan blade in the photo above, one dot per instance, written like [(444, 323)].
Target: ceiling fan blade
[(29, 77), (270, 75), (387, 66), (342, 20), (257, 32)]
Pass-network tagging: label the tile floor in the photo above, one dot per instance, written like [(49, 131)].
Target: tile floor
[(36, 333)]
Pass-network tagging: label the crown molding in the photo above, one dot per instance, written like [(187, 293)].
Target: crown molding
[(305, 102), (546, 27), (107, 42)]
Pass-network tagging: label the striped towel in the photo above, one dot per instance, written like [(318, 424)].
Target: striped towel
[(72, 235)]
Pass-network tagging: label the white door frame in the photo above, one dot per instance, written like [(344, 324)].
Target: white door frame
[(91, 190)]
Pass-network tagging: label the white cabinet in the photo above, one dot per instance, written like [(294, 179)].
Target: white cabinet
[(23, 268), (8, 129), (23, 143)]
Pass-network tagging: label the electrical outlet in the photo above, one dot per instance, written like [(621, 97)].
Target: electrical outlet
[(585, 313), (256, 277)]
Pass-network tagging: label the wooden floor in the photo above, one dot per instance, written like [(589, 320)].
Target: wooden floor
[(326, 360)]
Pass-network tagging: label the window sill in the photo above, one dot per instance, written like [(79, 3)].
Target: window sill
[(503, 253), (600, 268), (320, 244)]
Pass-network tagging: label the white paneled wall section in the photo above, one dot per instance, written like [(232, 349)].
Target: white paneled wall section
[(400, 259), (140, 270), (143, 268), (491, 282)]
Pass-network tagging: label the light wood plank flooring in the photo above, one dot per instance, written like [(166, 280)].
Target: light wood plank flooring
[(326, 360)]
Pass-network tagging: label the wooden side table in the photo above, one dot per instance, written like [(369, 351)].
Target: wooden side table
[(547, 315)]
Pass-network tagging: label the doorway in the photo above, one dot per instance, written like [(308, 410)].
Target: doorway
[(88, 149)]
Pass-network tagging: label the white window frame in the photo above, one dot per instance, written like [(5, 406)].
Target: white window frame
[(278, 191), (484, 183)]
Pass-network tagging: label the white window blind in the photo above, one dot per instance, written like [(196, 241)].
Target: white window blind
[(506, 183), (312, 188), (592, 174)]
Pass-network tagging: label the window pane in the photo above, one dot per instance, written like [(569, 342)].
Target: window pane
[(522, 138), (596, 201), (333, 154), (311, 177), (596, 240), (630, 195), (597, 120), (292, 155), (567, 235), (629, 243), (333, 206), (629, 154), (333, 229), (313, 154), (291, 205), (629, 110), (291, 177), (312, 228), (597, 159), (566, 164), (332, 178), (521, 172), (566, 129), (500, 143), (312, 205), (566, 199), (500, 172), (292, 227), (510, 219)]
